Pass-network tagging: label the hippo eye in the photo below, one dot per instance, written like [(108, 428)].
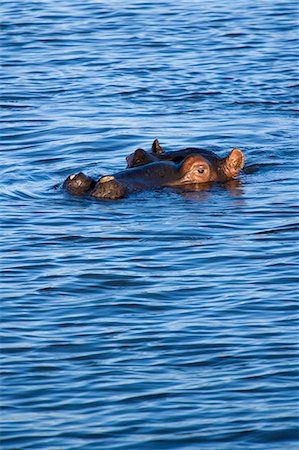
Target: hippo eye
[(201, 170)]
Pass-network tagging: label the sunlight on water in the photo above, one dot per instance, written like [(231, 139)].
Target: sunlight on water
[(166, 319)]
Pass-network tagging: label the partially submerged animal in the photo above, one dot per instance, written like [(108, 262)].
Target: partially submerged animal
[(185, 168)]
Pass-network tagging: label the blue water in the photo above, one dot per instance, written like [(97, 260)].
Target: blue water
[(165, 320)]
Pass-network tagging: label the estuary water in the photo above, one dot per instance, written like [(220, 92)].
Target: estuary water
[(166, 320)]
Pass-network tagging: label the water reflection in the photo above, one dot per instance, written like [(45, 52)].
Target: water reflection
[(205, 190)]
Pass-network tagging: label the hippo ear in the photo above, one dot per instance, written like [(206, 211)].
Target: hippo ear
[(134, 158), (139, 153), (233, 163), (156, 147)]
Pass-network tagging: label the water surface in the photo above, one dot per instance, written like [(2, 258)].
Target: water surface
[(165, 320)]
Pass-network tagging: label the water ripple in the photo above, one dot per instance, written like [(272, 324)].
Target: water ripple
[(167, 319)]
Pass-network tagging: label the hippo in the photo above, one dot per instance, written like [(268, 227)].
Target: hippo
[(226, 168), (194, 169), (183, 168)]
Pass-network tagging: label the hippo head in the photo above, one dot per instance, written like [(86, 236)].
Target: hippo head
[(79, 184)]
